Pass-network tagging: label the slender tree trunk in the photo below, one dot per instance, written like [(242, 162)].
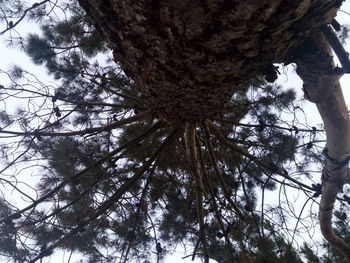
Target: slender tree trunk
[(321, 85)]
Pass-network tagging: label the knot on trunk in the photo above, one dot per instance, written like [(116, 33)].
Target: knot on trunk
[(316, 68)]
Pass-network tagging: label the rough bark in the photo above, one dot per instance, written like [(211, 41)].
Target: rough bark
[(321, 85), (188, 57)]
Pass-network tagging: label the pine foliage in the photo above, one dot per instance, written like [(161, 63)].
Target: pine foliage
[(115, 182)]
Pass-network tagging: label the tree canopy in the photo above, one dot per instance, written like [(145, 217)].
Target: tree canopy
[(179, 136)]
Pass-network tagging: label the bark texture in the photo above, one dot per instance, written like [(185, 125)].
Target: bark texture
[(321, 85), (188, 57)]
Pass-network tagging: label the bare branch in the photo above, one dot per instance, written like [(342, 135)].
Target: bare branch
[(107, 127), (195, 169)]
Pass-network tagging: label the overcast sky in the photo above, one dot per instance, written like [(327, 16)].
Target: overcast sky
[(14, 56)]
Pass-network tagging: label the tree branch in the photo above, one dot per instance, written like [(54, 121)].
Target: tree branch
[(195, 169), (107, 127), (113, 198), (338, 48), (131, 143), (13, 24), (213, 200), (215, 130), (218, 173), (316, 69)]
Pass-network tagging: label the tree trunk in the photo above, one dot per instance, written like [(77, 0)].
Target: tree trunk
[(321, 85), (188, 57)]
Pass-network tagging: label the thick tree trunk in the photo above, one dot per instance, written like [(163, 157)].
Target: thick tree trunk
[(188, 57)]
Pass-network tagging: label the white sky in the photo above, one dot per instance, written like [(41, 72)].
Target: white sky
[(11, 56)]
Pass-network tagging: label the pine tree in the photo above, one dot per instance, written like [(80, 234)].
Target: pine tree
[(180, 146)]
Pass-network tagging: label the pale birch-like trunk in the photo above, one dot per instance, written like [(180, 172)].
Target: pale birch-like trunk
[(321, 86)]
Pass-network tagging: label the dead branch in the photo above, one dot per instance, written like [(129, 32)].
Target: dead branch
[(218, 173), (195, 169)]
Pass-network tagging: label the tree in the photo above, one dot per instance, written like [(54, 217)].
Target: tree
[(163, 153)]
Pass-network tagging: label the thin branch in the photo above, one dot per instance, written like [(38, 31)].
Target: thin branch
[(293, 128), (218, 173), (218, 214), (244, 152), (111, 200), (99, 162), (195, 169), (14, 24), (247, 196), (107, 127), (138, 212)]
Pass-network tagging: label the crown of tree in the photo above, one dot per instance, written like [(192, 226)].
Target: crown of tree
[(180, 136)]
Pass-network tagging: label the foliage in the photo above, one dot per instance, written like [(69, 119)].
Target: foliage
[(114, 182)]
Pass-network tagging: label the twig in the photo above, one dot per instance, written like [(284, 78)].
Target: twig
[(12, 25)]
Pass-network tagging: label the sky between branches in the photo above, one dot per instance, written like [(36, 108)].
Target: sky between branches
[(287, 79)]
